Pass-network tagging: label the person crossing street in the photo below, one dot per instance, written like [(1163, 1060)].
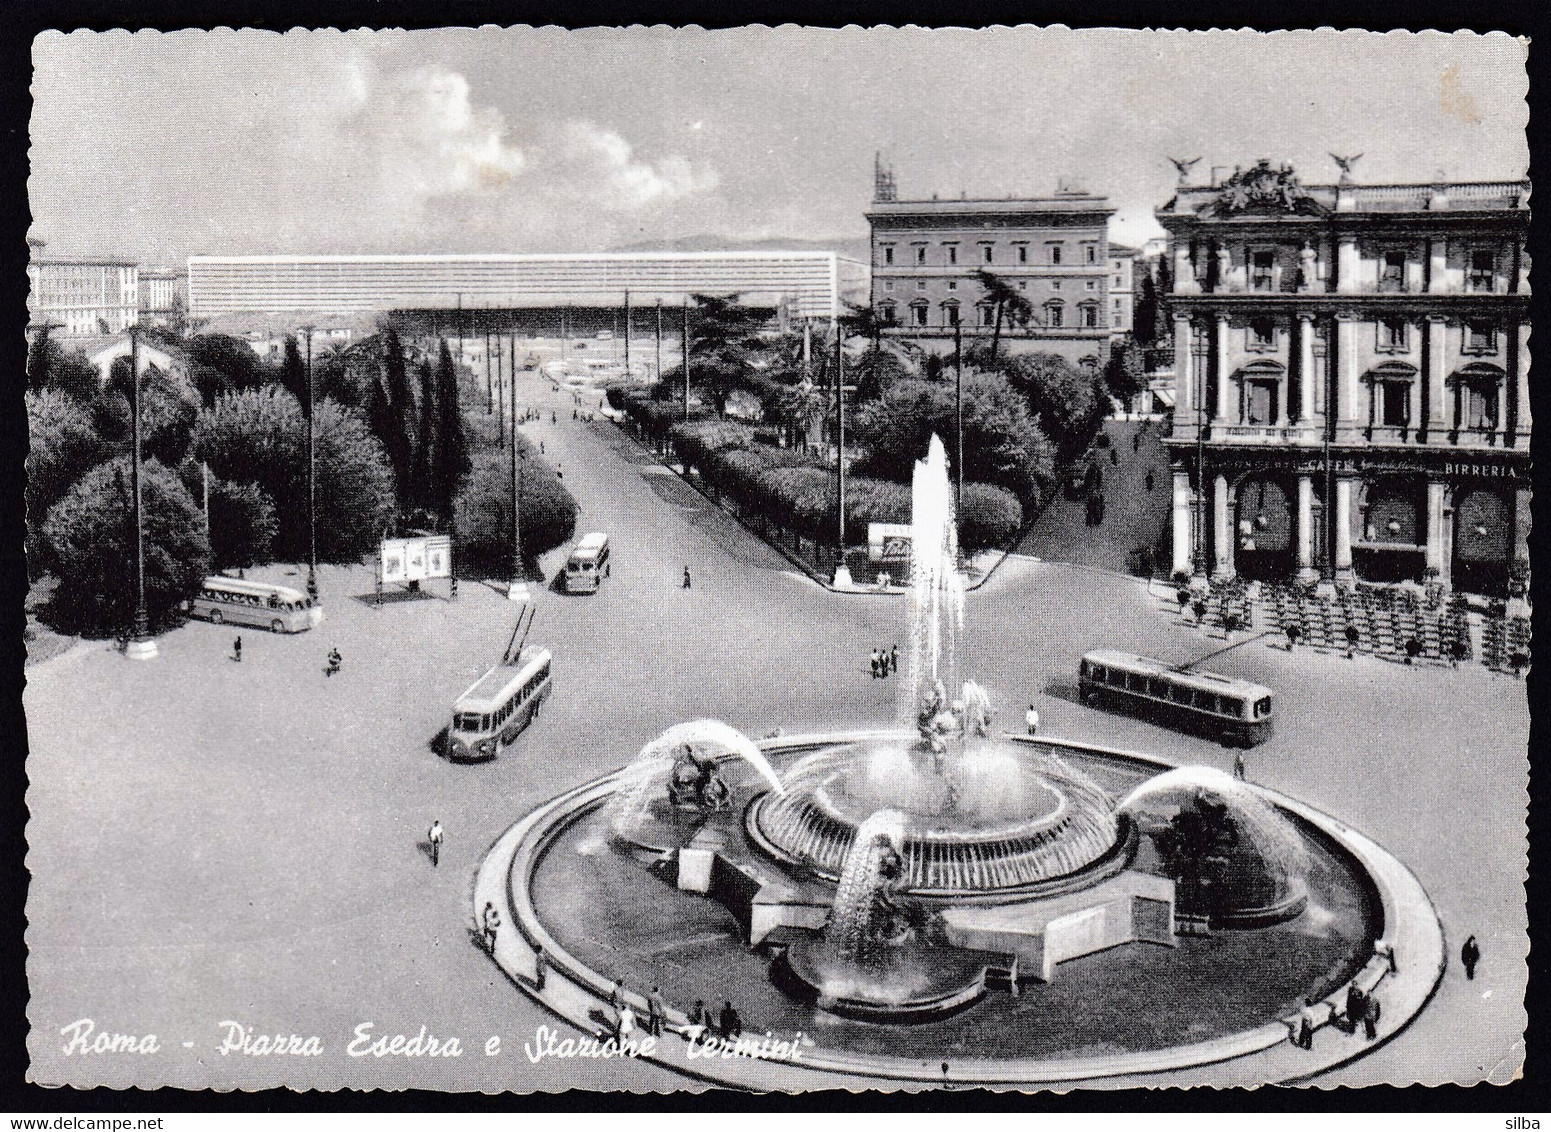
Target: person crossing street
[(434, 837)]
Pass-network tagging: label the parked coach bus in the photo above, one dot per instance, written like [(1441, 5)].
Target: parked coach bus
[(588, 564), (1235, 711), (495, 710), (237, 601)]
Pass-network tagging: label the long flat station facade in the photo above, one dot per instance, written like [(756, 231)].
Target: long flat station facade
[(1351, 371), (804, 284)]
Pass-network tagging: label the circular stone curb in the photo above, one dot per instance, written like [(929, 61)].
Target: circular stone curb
[(1263, 1055)]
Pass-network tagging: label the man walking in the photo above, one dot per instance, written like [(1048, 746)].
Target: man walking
[(872, 660), (656, 1010), (237, 650), (1238, 767), (434, 837), (893, 658), (492, 924), (1031, 720), (686, 577), (1470, 955)]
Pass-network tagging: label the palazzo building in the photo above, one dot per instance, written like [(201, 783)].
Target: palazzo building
[(82, 295), (1351, 371), (1054, 250)]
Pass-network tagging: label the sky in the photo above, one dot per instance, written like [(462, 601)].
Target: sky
[(162, 145)]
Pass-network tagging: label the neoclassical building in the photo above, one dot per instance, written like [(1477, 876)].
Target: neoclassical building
[(1351, 377)]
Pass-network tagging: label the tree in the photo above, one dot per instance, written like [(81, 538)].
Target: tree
[(1060, 396), (724, 336), (1125, 373), (877, 370), (401, 403), (293, 371), (1008, 300), (232, 358), (1148, 313), (243, 522), (259, 436), (90, 540), (169, 404), (1002, 444), (50, 367), (451, 458), (484, 509), (62, 446), (423, 497)]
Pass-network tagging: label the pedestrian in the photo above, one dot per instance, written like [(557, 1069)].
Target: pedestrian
[(492, 923), (1470, 955), (1385, 950), (1136, 441), (699, 1019), (335, 660), (559, 475), (574, 415), (1356, 1006), (686, 577), (237, 650), (1147, 479), (872, 660), (893, 658), (541, 448), (626, 1024), (656, 1009), (552, 418), (1114, 457), (1305, 1038), (434, 837), (730, 1024), (1370, 1017), (1031, 720), (1238, 767), (540, 966)]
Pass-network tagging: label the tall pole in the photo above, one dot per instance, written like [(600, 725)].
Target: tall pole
[(459, 329), (141, 646), (840, 444), (684, 344), (627, 331), (517, 575), (204, 475), (1201, 567), (489, 382), (312, 483), (958, 420), (659, 338)]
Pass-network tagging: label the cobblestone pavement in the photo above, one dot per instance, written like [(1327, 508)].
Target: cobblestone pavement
[(216, 841)]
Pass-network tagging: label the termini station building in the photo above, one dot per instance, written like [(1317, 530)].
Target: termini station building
[(1351, 380)]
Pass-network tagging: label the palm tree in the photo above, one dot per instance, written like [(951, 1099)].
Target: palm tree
[(1010, 302)]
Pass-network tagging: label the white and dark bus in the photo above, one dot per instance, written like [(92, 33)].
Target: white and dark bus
[(588, 564), (1237, 712), (237, 601), (493, 712)]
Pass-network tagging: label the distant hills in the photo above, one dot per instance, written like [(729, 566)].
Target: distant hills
[(854, 247)]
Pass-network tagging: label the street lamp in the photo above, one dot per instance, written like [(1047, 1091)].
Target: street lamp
[(312, 483), (517, 590), (140, 646)]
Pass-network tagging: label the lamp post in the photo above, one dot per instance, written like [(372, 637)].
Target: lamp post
[(140, 646), (312, 482), (842, 571), (958, 421), (518, 589), (684, 343)]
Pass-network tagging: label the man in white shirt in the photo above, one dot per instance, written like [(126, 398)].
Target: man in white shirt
[(1031, 720), (434, 836)]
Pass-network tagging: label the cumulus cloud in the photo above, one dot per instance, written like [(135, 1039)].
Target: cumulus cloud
[(601, 166), (427, 139)]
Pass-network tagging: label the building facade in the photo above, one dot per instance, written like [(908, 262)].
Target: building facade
[(1054, 251), (806, 284), (1351, 379), (1122, 288), (159, 287), (82, 295)]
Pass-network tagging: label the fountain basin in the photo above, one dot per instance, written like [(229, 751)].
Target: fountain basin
[(915, 983)]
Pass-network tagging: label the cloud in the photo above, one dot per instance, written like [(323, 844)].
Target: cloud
[(600, 166), (426, 139)]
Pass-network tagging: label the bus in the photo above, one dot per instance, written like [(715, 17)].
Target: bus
[(588, 564), (1237, 712), (492, 713), (237, 601)]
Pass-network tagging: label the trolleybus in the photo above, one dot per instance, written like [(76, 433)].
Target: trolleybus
[(1237, 712)]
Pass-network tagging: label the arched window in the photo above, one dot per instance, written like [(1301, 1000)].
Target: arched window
[(1055, 314), (887, 313), (918, 312), (1261, 389), (987, 314), (1477, 397), (950, 313), (1088, 315)]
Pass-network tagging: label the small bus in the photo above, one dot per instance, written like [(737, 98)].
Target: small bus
[(588, 564), (492, 713), (1236, 712), (237, 601)]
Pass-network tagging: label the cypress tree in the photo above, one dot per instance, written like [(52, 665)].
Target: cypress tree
[(401, 404), (293, 376), (424, 492), (451, 457)]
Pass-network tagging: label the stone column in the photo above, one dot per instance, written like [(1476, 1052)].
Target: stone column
[(1184, 535), (1306, 375), (1305, 546), (1520, 377), (1222, 530), (1437, 409), (1343, 549), (1437, 495), (1346, 265), (1437, 267), (1220, 351), (1184, 385)]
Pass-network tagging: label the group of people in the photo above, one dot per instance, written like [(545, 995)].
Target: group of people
[(885, 661), (725, 1023), (335, 658)]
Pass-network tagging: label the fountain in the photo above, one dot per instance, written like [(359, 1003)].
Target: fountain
[(903, 875)]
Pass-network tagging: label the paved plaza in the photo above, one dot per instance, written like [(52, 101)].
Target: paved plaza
[(216, 841)]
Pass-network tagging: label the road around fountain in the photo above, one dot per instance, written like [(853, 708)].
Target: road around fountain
[(213, 841)]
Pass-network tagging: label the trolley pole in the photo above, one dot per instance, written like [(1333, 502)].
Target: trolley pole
[(140, 646), (684, 343), (517, 587), (489, 382), (659, 338), (842, 571), (627, 332), (958, 421)]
